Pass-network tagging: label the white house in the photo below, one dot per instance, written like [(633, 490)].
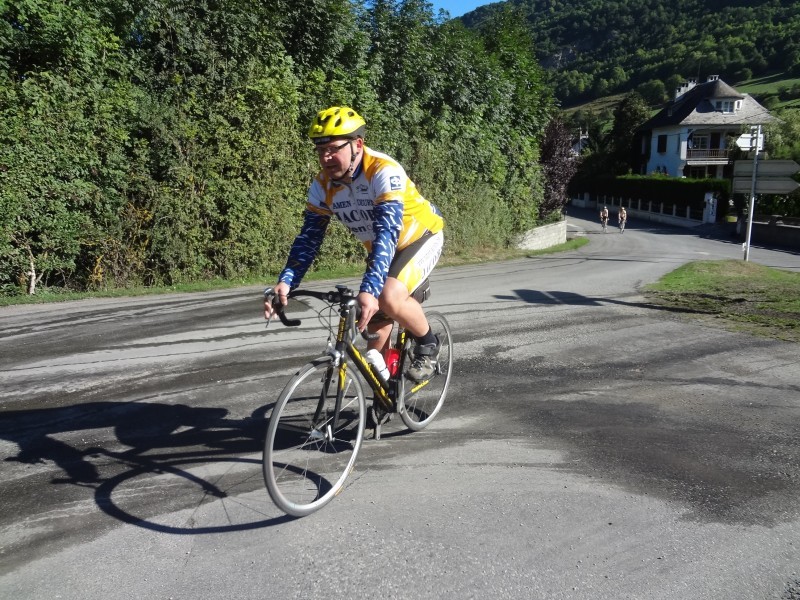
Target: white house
[(693, 135)]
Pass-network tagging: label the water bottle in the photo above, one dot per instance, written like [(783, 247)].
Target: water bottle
[(375, 358), (392, 360)]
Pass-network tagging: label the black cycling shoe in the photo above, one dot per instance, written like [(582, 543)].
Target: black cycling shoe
[(423, 364)]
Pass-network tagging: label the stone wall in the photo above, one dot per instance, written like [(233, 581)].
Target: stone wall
[(773, 234), (544, 236)]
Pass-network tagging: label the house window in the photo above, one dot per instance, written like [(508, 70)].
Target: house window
[(696, 172), (662, 144), (726, 106), (700, 142)]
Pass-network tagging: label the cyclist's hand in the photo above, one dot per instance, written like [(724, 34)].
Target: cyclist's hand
[(281, 292), (369, 306)]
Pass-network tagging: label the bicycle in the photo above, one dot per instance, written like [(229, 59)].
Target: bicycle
[(622, 226), (318, 423), (604, 222)]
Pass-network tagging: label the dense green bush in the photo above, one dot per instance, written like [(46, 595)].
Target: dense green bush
[(163, 141)]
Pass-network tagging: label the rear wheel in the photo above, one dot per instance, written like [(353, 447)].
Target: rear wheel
[(310, 449), (422, 401)]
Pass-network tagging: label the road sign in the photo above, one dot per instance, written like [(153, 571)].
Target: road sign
[(766, 168), (780, 185), (772, 177)]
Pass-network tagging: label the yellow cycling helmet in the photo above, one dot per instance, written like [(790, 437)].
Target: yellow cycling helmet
[(336, 122)]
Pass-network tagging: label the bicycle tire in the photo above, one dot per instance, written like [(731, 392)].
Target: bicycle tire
[(306, 462), (422, 402)]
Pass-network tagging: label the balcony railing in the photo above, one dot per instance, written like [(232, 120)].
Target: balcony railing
[(716, 154)]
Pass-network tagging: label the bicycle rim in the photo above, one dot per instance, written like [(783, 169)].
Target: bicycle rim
[(307, 456), (422, 401)]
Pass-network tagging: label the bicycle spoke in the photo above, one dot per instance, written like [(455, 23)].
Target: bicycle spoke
[(305, 460), (422, 401)]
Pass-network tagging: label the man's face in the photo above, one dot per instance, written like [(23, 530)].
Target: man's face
[(335, 156)]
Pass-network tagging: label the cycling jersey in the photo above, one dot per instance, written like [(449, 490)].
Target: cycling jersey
[(381, 206)]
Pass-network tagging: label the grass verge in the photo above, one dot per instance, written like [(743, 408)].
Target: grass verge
[(475, 256), (734, 294), (344, 272)]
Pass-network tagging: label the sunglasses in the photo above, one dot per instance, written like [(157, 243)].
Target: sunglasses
[(330, 150)]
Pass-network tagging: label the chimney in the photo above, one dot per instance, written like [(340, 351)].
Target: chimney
[(687, 85), (712, 78)]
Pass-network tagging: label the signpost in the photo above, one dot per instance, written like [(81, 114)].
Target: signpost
[(741, 185), (764, 177), (773, 177)]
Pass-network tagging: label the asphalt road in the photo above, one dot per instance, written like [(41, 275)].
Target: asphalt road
[(592, 446)]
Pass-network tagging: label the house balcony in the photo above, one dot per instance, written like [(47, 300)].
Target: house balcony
[(717, 156)]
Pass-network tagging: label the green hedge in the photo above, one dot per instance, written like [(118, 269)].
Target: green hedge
[(682, 192)]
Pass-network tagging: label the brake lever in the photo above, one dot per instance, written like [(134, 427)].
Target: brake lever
[(271, 297)]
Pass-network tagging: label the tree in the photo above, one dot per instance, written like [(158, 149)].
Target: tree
[(66, 109), (653, 91), (783, 142), (521, 117), (160, 142), (559, 165), (629, 115)]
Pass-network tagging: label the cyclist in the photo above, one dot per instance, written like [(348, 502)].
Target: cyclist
[(622, 216), (371, 194), (604, 217)]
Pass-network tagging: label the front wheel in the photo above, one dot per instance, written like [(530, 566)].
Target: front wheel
[(311, 446), (422, 401)]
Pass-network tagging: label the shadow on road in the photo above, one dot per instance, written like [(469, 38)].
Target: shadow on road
[(175, 442), (573, 299)]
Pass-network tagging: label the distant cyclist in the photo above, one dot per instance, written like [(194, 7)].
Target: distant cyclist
[(371, 194), (604, 217), (622, 217)]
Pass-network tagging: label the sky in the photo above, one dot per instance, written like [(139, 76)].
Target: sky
[(456, 8)]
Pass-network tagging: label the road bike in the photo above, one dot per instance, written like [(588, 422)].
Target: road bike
[(318, 423), (622, 226), (604, 222)]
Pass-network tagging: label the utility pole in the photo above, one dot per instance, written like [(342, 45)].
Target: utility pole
[(752, 208)]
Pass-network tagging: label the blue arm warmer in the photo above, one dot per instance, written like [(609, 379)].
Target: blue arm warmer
[(387, 225), (305, 248)]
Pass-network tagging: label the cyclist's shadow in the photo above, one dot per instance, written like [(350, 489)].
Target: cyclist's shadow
[(162, 439)]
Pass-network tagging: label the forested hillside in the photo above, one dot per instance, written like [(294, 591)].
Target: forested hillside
[(593, 48), (163, 141)]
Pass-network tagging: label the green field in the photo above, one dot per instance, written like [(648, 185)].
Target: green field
[(765, 87)]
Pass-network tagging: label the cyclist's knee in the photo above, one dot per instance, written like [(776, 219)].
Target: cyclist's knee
[(393, 296)]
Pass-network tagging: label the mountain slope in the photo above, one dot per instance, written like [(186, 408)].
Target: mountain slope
[(593, 48)]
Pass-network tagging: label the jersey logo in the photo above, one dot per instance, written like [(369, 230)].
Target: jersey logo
[(394, 182)]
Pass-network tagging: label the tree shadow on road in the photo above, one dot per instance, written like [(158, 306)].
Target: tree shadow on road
[(547, 297)]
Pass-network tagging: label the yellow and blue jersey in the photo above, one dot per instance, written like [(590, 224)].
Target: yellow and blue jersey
[(381, 206)]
